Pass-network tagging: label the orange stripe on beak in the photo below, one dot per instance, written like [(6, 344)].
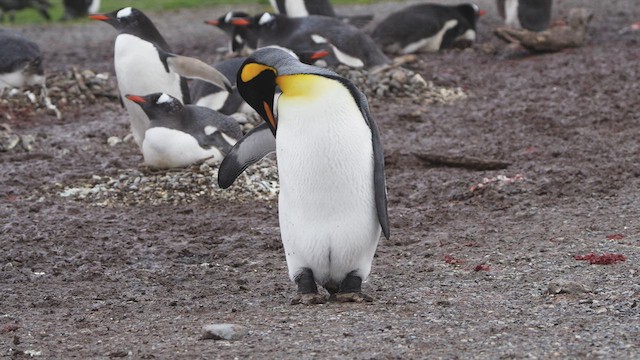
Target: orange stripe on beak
[(267, 110), (136, 99), (213, 22), (481, 13), (99, 17), (319, 54), (240, 22)]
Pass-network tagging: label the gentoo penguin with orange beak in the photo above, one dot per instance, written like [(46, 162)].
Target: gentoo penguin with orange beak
[(180, 135), (20, 61), (144, 64), (332, 202)]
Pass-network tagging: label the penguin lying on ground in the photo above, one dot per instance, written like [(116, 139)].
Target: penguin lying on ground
[(20, 61), (204, 93), (348, 45), (302, 8), (533, 15), (11, 6), (427, 27), (242, 40), (144, 64), (332, 202), (180, 135), (77, 8)]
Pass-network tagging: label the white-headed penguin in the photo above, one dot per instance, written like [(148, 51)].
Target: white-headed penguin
[(533, 15), (427, 28), (144, 64), (180, 135), (332, 202)]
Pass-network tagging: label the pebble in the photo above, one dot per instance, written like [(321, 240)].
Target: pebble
[(224, 332), (113, 140), (563, 286)]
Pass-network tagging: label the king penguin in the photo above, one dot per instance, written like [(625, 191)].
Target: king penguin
[(144, 64), (533, 15), (180, 135), (427, 28), (20, 61), (332, 203)]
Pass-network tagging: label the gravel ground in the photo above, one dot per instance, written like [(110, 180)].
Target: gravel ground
[(481, 264)]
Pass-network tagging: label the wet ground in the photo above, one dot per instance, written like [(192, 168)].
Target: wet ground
[(481, 264)]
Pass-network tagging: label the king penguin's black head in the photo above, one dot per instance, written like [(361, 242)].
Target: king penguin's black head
[(266, 69)]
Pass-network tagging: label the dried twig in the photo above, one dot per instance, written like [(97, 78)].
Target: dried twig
[(465, 162)]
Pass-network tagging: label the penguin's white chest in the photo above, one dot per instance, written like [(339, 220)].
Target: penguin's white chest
[(511, 13), (327, 210), (170, 148), (140, 71)]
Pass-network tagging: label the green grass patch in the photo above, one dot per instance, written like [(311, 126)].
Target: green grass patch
[(31, 16)]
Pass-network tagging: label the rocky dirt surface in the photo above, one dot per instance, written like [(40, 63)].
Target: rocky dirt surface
[(481, 264)]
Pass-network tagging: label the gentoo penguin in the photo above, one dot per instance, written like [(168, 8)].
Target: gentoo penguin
[(144, 64), (332, 203), (302, 8), (181, 135), (77, 8), (349, 46), (427, 28), (206, 94), (20, 61), (242, 39), (11, 6), (534, 15)]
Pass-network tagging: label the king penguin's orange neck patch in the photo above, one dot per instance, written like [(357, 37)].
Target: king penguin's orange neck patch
[(267, 110)]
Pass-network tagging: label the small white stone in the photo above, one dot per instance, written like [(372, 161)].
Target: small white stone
[(224, 332), (113, 141)]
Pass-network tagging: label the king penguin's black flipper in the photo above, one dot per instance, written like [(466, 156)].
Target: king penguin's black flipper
[(254, 146)]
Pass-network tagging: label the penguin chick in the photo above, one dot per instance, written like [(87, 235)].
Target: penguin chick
[(533, 15), (144, 64), (348, 45), (20, 61), (332, 204), (427, 28), (180, 135)]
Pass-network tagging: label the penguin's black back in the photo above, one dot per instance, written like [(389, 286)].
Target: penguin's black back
[(16, 51), (421, 21), (534, 15)]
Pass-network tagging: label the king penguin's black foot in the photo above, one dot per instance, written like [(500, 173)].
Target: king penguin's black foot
[(356, 297), (351, 290), (308, 299), (307, 290)]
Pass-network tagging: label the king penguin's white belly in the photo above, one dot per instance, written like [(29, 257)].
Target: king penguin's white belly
[(327, 210), (140, 72), (170, 148)]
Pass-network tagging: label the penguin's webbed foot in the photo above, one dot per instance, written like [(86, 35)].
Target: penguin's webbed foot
[(355, 297), (351, 290), (308, 299), (307, 289)]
